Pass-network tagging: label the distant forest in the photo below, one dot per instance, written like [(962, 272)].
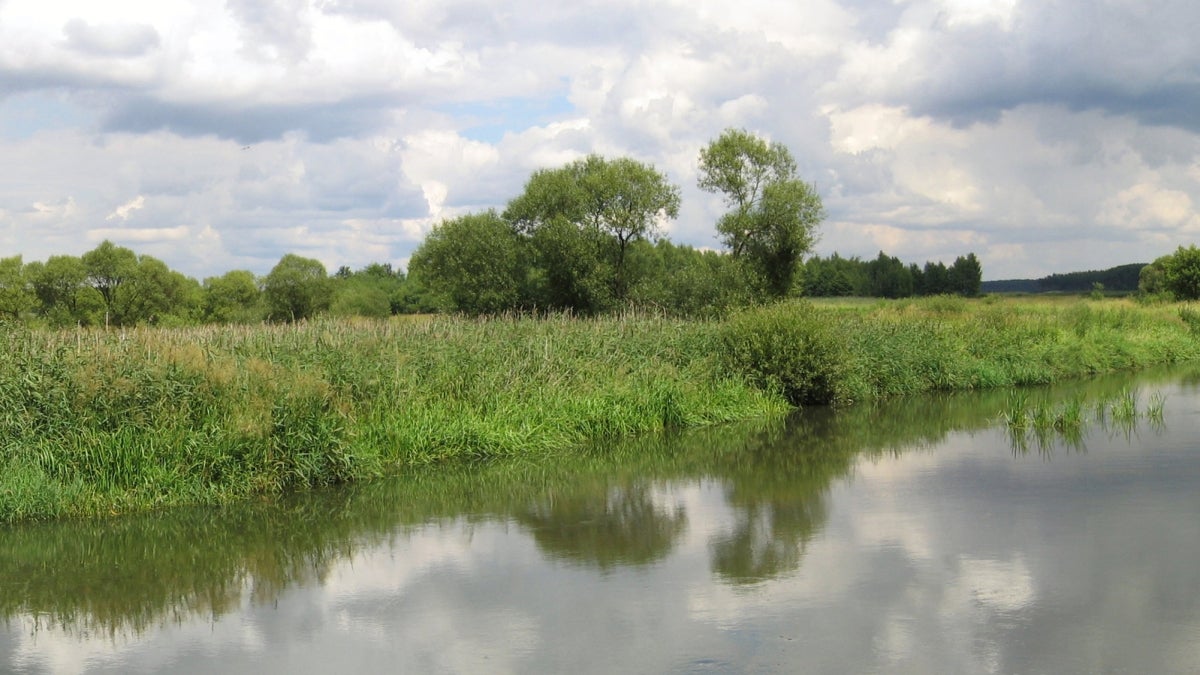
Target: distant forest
[(1122, 278)]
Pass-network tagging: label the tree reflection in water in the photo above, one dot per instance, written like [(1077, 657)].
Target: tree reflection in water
[(605, 526)]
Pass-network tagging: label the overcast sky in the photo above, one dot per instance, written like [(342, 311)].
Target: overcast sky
[(1045, 136)]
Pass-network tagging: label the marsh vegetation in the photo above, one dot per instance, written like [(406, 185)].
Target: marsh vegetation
[(101, 422)]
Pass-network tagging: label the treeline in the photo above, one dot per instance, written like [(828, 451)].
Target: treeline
[(582, 239), (887, 277), (113, 286), (1122, 278)]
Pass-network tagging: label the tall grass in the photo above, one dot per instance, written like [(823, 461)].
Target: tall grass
[(95, 422), (940, 344)]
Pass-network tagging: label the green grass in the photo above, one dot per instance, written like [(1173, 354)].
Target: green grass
[(95, 423), (1067, 421)]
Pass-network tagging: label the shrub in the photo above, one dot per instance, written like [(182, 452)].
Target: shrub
[(786, 348)]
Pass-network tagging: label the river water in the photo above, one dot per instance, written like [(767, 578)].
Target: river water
[(918, 536)]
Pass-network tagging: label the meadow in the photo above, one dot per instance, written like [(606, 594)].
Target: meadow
[(98, 422)]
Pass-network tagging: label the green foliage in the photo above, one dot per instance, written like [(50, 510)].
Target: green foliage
[(233, 297), (297, 288), (684, 281), (571, 272), (95, 422), (788, 348), (935, 279), (835, 276), (59, 286), (16, 295), (357, 297), (774, 215), (1190, 318), (1119, 278), (107, 267), (620, 200), (1152, 281), (1181, 273), (474, 262), (966, 276), (114, 421), (153, 294), (889, 278)]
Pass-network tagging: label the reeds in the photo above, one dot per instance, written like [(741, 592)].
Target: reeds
[(96, 422), (1067, 421)]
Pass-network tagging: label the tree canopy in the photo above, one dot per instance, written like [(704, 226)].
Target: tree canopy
[(622, 199), (773, 214), (1181, 273), (473, 262), (296, 288)]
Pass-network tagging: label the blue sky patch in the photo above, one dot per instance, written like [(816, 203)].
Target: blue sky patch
[(488, 121), (24, 115)]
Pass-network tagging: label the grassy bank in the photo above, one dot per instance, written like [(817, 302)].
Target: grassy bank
[(858, 350), (97, 422)]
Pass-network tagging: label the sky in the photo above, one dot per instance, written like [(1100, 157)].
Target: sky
[(1042, 135)]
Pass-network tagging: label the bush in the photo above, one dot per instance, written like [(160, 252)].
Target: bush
[(786, 348)]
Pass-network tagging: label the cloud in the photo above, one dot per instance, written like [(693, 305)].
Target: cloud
[(998, 125), (117, 40), (273, 30), (127, 208), (139, 234)]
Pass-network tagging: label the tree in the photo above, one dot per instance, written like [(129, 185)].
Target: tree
[(622, 198), (57, 284), (571, 271), (296, 288), (367, 292), (107, 267), (473, 262), (153, 293), (685, 281), (233, 297), (835, 276), (966, 275), (1181, 273), (919, 284), (1152, 277), (889, 278), (355, 297), (937, 279), (774, 215), (16, 296)]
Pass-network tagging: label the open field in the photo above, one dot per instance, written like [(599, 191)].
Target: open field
[(97, 422)]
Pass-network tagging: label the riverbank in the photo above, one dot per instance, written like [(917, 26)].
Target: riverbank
[(96, 423)]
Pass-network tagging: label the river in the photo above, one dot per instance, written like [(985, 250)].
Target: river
[(916, 536)]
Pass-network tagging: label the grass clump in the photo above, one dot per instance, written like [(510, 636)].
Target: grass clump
[(1068, 420), (790, 349)]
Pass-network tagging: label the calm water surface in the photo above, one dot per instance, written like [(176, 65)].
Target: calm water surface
[(914, 537)]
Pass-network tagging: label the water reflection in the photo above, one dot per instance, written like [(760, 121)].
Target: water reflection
[(604, 525), (735, 510)]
